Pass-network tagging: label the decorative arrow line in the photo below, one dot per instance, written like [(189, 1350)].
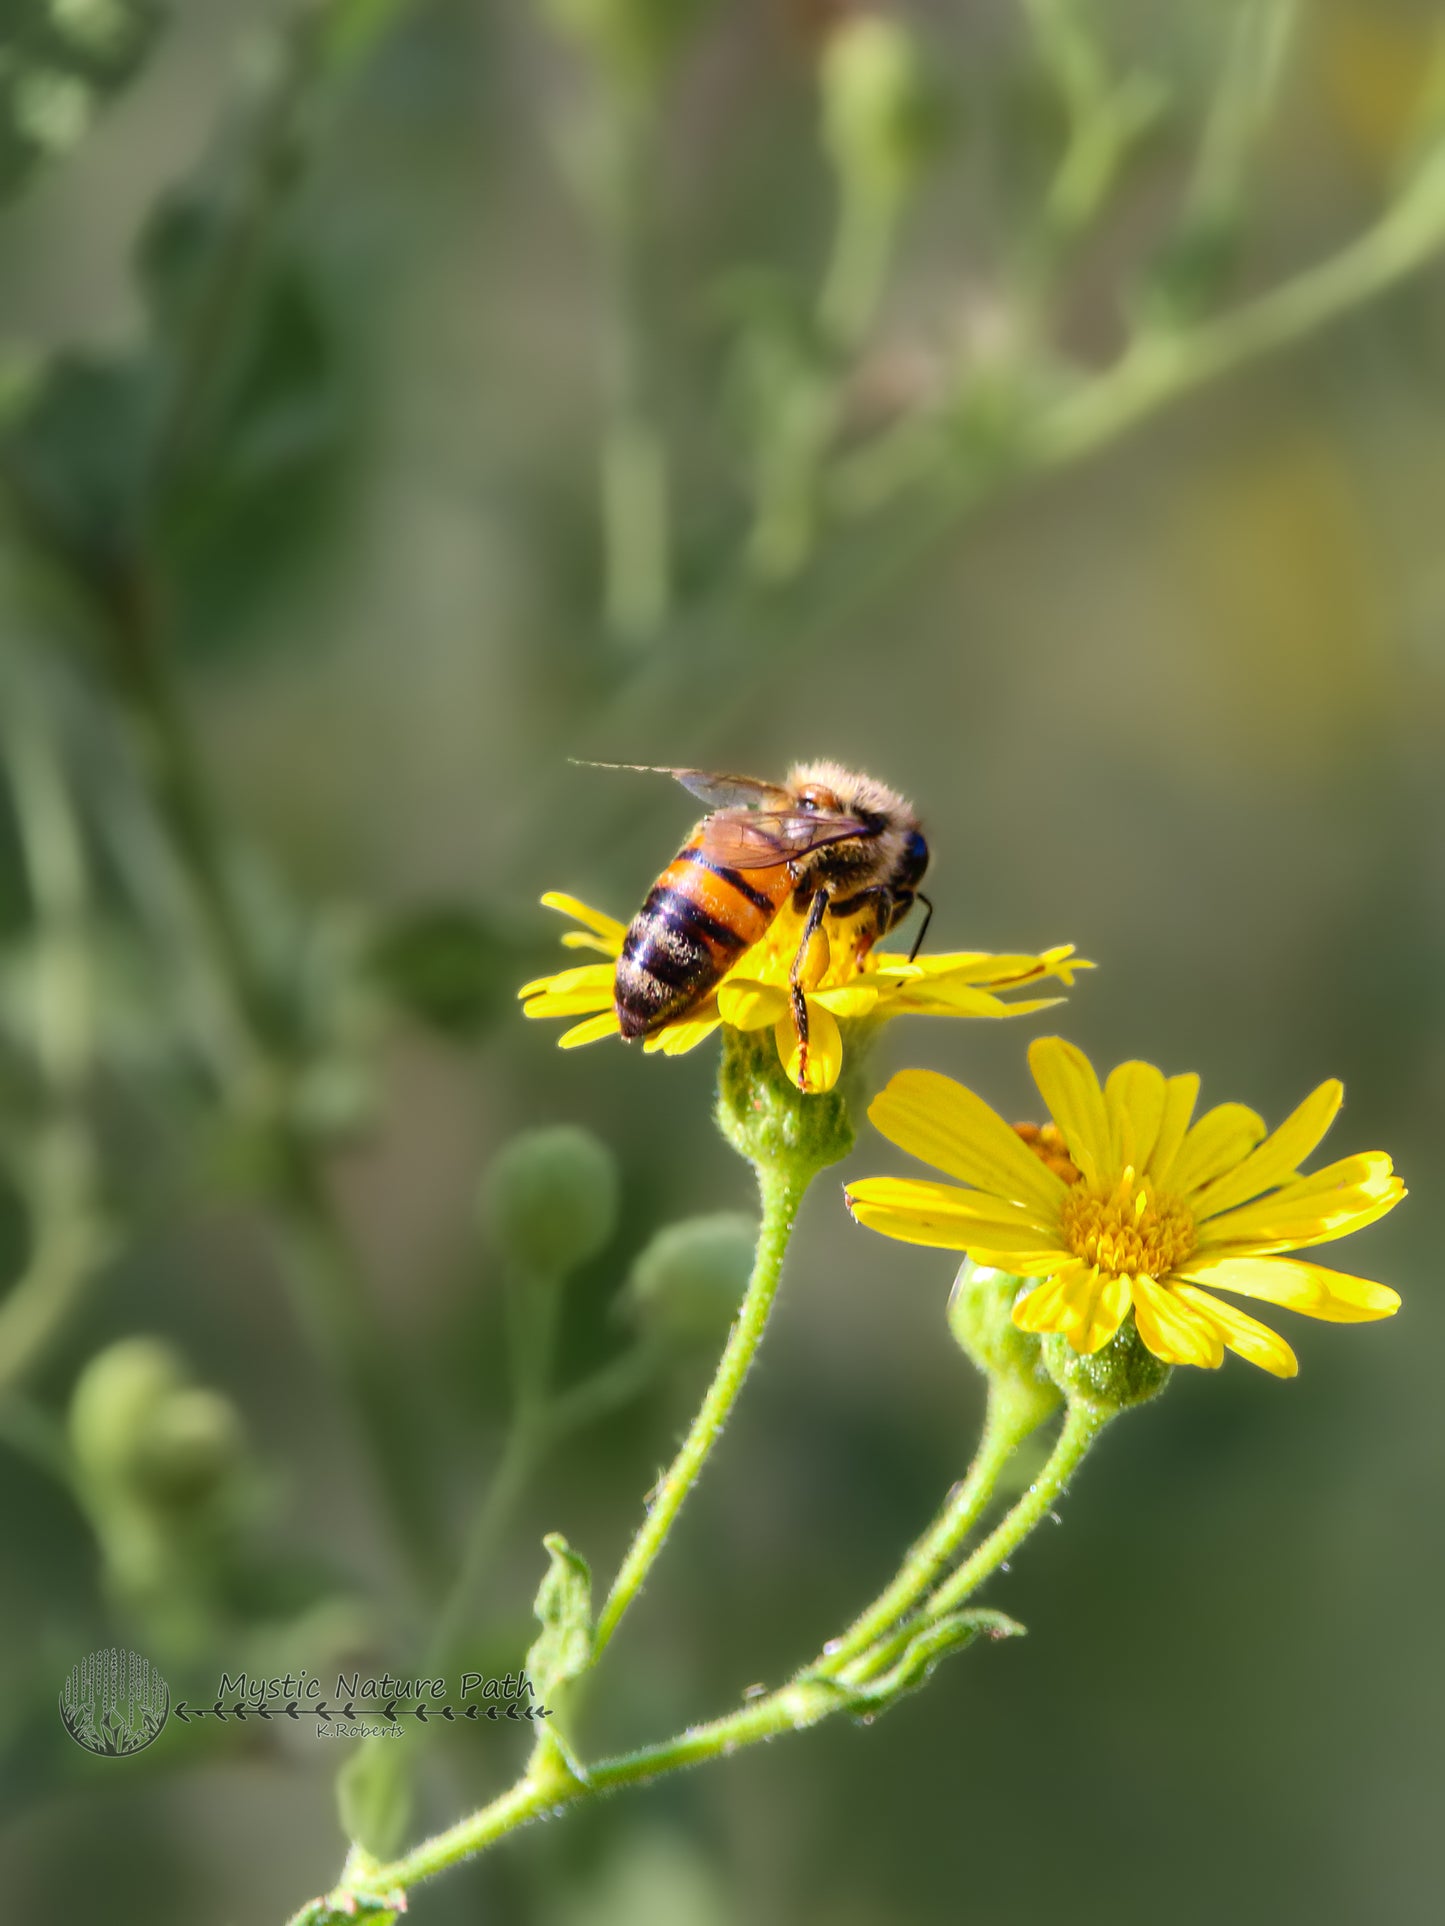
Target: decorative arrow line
[(392, 1710)]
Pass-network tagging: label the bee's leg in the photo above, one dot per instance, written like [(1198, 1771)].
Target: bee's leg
[(817, 909)]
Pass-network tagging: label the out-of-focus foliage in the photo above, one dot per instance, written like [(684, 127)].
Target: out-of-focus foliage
[(1036, 404), (59, 61)]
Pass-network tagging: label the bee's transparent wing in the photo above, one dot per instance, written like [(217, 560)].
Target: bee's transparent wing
[(768, 838), (717, 791)]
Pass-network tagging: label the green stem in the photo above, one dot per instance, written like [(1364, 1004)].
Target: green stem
[(1081, 1426), (854, 278), (781, 1187), (1006, 1425), (813, 1694), (69, 1240), (792, 1708), (1160, 369)]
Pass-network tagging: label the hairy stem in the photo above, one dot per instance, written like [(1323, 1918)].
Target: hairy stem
[(781, 1189), (1081, 1427), (1006, 1425), (830, 1685)]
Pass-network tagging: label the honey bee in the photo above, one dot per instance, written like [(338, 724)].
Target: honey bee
[(833, 842)]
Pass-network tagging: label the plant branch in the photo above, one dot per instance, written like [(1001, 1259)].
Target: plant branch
[(781, 1191)]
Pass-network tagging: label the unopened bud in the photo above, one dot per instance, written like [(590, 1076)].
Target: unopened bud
[(687, 1284), (879, 113), (550, 1199), (192, 1445), (114, 1405), (980, 1316)]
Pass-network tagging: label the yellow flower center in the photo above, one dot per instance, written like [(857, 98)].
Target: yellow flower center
[(1129, 1232)]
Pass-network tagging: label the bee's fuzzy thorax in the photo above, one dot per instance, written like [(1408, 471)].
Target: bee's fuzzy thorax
[(856, 792)]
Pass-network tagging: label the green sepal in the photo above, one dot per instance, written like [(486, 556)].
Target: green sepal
[(1123, 1373), (768, 1119)]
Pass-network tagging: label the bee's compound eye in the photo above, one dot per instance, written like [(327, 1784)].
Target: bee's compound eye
[(915, 854)]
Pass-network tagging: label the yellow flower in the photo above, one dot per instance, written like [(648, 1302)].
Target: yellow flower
[(1122, 1203), (838, 985)]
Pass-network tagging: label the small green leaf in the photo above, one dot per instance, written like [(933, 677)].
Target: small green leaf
[(562, 1649), (373, 1795)]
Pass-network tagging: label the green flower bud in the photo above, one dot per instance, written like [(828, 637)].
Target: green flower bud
[(550, 1199), (767, 1119), (190, 1449), (879, 112), (144, 1435), (688, 1282), (980, 1308), (114, 1406), (1124, 1372)]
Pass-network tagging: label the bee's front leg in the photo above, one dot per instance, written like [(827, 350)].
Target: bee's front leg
[(817, 909)]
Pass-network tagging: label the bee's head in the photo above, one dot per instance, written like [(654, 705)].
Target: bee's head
[(914, 859)]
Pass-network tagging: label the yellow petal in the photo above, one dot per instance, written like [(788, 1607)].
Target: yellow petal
[(571, 1003), (568, 1003), (580, 940), (587, 976), (946, 1125), (749, 1005), (1071, 1090), (1244, 1335), (825, 1051), (1101, 1313), (984, 1217), (1317, 1209), (1017, 1263), (1173, 1330), (1278, 1157), (1311, 1288), (606, 927), (1180, 1095), (588, 1032), (849, 1000), (969, 966), (986, 968), (1059, 1302), (1222, 1138), (1134, 1098), (962, 1000), (680, 1037)]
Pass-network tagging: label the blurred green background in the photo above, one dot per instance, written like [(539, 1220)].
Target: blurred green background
[(1179, 701)]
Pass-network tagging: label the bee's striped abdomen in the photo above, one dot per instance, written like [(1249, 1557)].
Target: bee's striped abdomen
[(698, 919)]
